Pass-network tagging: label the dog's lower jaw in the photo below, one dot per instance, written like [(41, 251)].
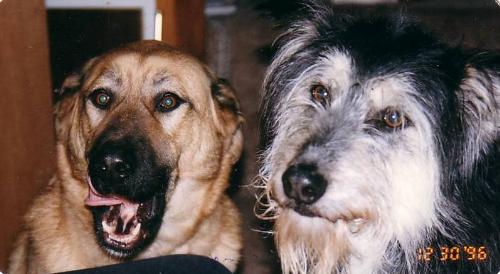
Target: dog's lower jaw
[(124, 231), (300, 249), (318, 245)]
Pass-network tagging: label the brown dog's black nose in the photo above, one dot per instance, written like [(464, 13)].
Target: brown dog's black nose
[(115, 167), (111, 166), (127, 167), (303, 183)]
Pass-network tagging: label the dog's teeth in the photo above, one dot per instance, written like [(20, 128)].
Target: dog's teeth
[(128, 227), (113, 213), (355, 225), (126, 238), (109, 228)]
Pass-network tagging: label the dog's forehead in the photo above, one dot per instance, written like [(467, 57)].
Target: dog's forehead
[(339, 68), (392, 89), (150, 72), (340, 72)]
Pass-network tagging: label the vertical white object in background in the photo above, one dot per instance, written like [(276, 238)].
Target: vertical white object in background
[(158, 26), (147, 8)]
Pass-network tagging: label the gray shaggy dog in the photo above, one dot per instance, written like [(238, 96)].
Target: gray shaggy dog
[(380, 149)]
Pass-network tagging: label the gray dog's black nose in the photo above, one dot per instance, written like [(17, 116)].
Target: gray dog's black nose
[(303, 183)]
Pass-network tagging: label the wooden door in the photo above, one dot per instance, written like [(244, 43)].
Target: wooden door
[(26, 137), (184, 25)]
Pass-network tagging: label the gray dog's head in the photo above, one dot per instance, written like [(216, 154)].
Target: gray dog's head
[(363, 121)]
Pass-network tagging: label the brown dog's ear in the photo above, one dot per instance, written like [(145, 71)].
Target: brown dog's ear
[(223, 93), (229, 116), (72, 83), (67, 100), (69, 86)]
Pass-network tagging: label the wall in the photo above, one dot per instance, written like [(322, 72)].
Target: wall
[(26, 137)]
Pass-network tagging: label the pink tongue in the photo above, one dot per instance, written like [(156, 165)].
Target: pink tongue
[(96, 199)]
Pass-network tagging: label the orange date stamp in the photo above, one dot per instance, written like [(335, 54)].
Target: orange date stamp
[(453, 254)]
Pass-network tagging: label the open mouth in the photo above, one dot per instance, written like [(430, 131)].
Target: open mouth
[(123, 227)]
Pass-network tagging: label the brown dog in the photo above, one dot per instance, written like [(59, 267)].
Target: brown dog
[(146, 139)]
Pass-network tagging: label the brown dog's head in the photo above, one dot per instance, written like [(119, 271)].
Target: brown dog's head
[(145, 126)]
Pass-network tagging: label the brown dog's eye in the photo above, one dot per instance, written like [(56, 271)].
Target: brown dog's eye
[(101, 98), (393, 118), (320, 94), (167, 102)]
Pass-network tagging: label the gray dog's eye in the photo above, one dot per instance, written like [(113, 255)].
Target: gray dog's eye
[(320, 94), (101, 98), (394, 119), (167, 102)]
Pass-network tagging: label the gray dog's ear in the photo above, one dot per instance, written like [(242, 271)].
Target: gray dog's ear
[(479, 102)]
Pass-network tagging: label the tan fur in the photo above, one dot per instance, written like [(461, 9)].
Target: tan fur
[(202, 140)]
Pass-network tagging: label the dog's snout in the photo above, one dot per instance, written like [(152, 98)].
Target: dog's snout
[(111, 165), (303, 183), (126, 167), (115, 167)]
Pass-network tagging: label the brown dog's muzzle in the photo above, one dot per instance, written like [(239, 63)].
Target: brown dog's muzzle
[(126, 167), (127, 190)]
